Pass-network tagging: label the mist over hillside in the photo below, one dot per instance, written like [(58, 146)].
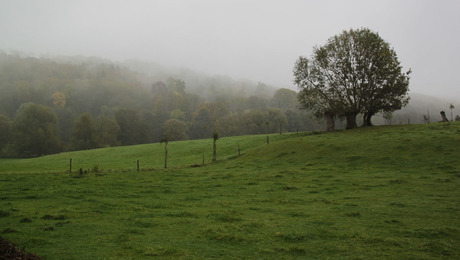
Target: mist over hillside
[(92, 102), (207, 86), (98, 103)]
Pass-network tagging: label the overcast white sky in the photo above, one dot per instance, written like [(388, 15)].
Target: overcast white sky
[(254, 39)]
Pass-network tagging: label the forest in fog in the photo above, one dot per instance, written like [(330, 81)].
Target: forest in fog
[(75, 103)]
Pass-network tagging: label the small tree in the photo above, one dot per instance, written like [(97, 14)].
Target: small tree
[(215, 136), (451, 107), (165, 141)]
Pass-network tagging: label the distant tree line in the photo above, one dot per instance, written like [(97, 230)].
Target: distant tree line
[(49, 106)]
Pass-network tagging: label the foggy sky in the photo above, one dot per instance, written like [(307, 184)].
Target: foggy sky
[(258, 40)]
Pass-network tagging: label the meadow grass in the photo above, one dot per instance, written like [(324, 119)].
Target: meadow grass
[(151, 156), (379, 192)]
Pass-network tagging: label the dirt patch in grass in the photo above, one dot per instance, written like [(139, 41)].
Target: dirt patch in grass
[(9, 250)]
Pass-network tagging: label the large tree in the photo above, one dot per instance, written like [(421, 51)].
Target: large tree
[(354, 72), (34, 131)]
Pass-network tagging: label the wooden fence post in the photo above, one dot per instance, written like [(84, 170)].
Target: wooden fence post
[(166, 158), (137, 165), (70, 169)]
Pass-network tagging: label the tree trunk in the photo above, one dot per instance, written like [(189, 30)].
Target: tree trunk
[(166, 157), (330, 123), (279, 123), (367, 119), (351, 120), (214, 154), (444, 118)]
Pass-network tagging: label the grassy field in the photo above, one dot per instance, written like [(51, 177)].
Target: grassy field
[(380, 192)]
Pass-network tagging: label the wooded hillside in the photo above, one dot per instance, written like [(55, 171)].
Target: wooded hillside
[(92, 102)]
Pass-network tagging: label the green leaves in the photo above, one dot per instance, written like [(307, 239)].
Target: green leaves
[(354, 72)]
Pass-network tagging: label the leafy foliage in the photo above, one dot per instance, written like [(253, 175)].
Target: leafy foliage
[(130, 103), (34, 131), (133, 130), (354, 72), (5, 123), (175, 130), (84, 134)]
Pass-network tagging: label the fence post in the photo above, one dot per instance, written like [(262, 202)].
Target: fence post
[(166, 158), (70, 169), (137, 165)]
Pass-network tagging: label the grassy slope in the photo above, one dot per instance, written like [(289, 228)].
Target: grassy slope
[(151, 156), (376, 192)]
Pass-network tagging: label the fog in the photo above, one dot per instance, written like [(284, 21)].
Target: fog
[(256, 40)]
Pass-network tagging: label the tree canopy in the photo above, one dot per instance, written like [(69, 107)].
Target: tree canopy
[(354, 72), (34, 131), (84, 133)]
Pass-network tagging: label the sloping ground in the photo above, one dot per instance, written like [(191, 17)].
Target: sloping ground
[(151, 156), (402, 148), (379, 192)]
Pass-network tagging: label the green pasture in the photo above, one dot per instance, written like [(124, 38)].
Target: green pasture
[(150, 156), (379, 192)]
